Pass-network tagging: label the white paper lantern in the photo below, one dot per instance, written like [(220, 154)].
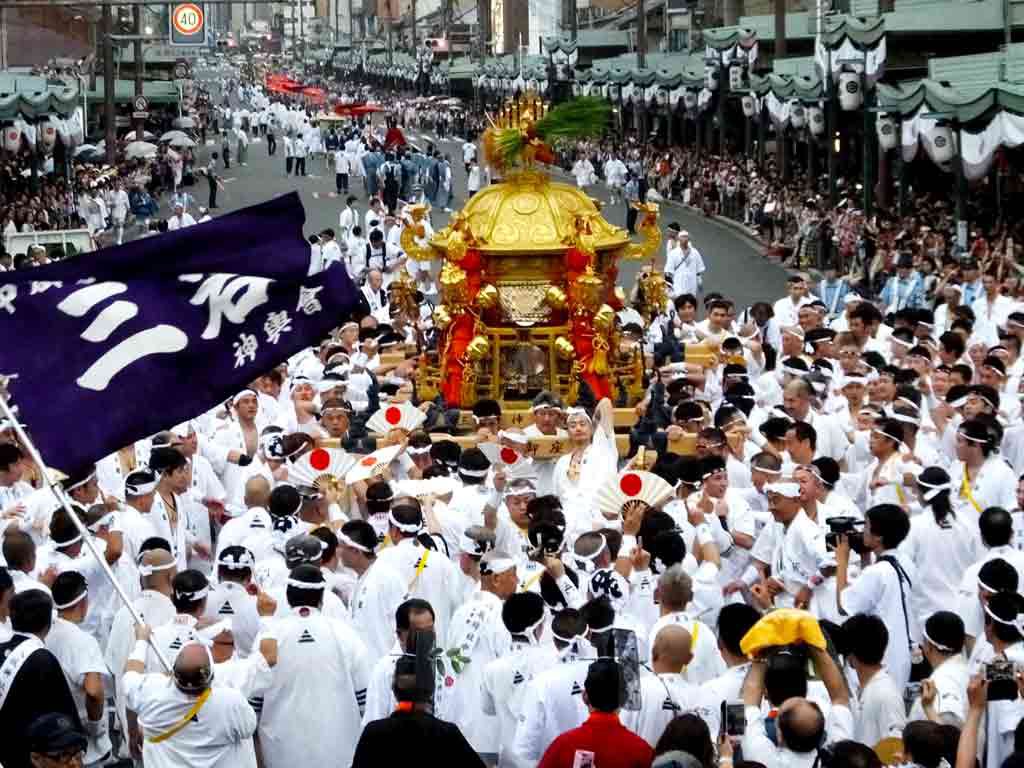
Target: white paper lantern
[(797, 115), (12, 139), (942, 144), (886, 128), (850, 95), (711, 76), (48, 135), (689, 99), (735, 77), (749, 106), (816, 120)]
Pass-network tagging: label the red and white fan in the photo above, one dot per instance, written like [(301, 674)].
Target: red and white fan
[(372, 464), (322, 468), (405, 416), (630, 488)]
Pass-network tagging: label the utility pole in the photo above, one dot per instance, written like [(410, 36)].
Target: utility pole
[(780, 29), (414, 27), (109, 119), (137, 54), (641, 34), (351, 26)]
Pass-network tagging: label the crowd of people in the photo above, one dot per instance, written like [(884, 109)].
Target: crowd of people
[(822, 565)]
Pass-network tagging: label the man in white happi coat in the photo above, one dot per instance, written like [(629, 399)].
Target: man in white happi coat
[(412, 616), (378, 592), (233, 598), (82, 661), (427, 573), (684, 265), (320, 660), (186, 720), (505, 679), (478, 635)]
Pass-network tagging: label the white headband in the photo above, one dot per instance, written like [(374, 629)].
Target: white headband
[(940, 646), (905, 418), (587, 561), (497, 565), (307, 584), (577, 412), (417, 451), (149, 570), (343, 539), (934, 490), (473, 472), (247, 561), (244, 393), (81, 482), (404, 527), (965, 436), (1018, 621), (541, 406), (139, 490), (193, 597), (68, 543), (513, 437), (789, 490), (74, 601), (105, 520)]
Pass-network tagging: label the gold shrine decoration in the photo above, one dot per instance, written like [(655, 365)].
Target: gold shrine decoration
[(647, 225), (413, 231)]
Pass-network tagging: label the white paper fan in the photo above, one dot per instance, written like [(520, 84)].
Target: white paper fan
[(405, 416), (630, 488), (321, 468), (372, 464)]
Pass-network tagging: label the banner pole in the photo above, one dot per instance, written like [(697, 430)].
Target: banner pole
[(62, 499)]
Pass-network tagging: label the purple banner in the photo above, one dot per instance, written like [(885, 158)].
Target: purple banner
[(113, 346)]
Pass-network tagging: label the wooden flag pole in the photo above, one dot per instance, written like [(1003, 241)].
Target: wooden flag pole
[(62, 499)]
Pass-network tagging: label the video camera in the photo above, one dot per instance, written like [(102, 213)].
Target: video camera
[(850, 527)]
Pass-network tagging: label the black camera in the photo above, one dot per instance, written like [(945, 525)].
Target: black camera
[(850, 527), (1002, 683)]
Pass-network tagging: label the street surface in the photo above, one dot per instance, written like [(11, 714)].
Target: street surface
[(735, 267)]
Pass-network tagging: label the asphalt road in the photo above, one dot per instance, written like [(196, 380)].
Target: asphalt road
[(735, 266)]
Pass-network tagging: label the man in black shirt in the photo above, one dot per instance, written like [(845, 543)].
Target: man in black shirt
[(31, 680), (412, 730)]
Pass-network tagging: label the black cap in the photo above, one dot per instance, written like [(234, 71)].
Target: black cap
[(55, 733)]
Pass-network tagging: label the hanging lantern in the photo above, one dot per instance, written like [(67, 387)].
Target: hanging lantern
[(749, 107), (816, 120), (12, 139), (711, 76), (850, 95), (736, 77), (942, 143), (689, 99), (797, 115), (48, 135), (886, 128)]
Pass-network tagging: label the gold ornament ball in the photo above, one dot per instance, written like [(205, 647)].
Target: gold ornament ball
[(478, 349), (456, 247), (555, 297), (441, 317), (604, 319), (564, 348), (487, 296)]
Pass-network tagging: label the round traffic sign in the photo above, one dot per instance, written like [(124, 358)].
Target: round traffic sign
[(187, 18), (141, 104), (181, 71)]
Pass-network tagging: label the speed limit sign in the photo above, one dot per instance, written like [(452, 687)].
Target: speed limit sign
[(188, 24)]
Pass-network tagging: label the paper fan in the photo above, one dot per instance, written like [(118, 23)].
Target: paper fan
[(405, 416), (630, 488), (321, 468), (372, 464)]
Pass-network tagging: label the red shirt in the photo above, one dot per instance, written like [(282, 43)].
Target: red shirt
[(613, 745)]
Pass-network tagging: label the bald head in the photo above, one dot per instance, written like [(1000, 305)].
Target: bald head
[(801, 725), (163, 571), (192, 671), (671, 649), (257, 492)]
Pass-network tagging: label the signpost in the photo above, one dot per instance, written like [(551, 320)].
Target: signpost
[(141, 105), (188, 24)]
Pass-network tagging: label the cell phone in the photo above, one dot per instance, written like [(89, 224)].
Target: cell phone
[(1002, 685), (734, 718)]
